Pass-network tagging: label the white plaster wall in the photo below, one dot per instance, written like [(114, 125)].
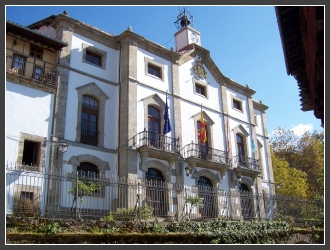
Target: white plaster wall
[(104, 156), (143, 92), (243, 116), (28, 111), (89, 202), (224, 183), (265, 165), (232, 124), (186, 75), (111, 72), (111, 109), (181, 40), (151, 80), (259, 128), (188, 110), (13, 178)]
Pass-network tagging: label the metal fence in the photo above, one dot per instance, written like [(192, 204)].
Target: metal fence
[(70, 195)]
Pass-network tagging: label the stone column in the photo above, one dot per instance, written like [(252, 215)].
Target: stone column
[(127, 107), (64, 34)]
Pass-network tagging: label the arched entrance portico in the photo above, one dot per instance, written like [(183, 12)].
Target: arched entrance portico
[(155, 192), (205, 191), (247, 202)]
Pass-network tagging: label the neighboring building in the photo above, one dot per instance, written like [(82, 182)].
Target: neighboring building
[(108, 103), (302, 34), (31, 83)]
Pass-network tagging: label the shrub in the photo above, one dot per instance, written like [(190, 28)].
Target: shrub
[(126, 214), (26, 208), (50, 228)]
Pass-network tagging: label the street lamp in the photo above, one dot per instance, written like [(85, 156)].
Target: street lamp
[(186, 167), (63, 147)]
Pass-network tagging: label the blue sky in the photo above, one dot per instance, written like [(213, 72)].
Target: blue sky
[(243, 41)]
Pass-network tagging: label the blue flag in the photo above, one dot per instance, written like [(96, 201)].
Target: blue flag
[(167, 124), (253, 146)]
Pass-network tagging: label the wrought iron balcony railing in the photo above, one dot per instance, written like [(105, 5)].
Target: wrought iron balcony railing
[(246, 162), (89, 137), (149, 139), (30, 70), (204, 152)]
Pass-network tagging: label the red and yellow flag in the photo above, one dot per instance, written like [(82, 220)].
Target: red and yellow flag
[(202, 133)]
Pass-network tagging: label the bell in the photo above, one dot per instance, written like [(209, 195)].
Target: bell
[(184, 21)]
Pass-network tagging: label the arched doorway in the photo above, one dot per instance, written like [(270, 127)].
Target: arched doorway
[(205, 192), (156, 195), (247, 201), (87, 169)]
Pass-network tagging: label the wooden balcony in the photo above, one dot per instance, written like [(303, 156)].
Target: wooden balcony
[(32, 71)]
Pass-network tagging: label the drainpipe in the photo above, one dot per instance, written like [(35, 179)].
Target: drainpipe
[(119, 85)]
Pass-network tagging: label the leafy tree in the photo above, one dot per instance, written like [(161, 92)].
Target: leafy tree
[(83, 188), (304, 153), (293, 181)]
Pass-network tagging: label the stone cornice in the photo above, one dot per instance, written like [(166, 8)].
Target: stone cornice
[(86, 30), (147, 45), (259, 106)]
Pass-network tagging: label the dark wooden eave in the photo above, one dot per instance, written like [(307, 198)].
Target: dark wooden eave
[(302, 35), (33, 36)]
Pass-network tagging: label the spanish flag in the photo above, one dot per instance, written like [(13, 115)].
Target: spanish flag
[(202, 133)]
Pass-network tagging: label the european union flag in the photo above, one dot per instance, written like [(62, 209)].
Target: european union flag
[(167, 124), (253, 146)]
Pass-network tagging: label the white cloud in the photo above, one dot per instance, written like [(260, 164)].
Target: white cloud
[(301, 129)]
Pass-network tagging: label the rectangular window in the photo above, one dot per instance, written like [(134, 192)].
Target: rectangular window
[(36, 51), (154, 70), (27, 195), (256, 120), (237, 105), (31, 153), (200, 89), (93, 58)]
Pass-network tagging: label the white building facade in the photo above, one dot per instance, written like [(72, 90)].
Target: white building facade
[(108, 106)]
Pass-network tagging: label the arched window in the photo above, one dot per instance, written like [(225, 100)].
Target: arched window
[(203, 149), (87, 169), (205, 191), (154, 122), (156, 195), (89, 120)]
